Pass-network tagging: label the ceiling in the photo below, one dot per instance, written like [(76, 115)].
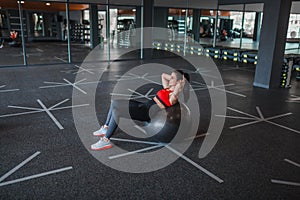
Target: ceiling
[(54, 6), (59, 5)]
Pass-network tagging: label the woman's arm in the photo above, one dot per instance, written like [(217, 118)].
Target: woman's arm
[(165, 78), (177, 90)]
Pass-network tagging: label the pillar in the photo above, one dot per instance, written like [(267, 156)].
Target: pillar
[(148, 12), (94, 29), (257, 26), (161, 17), (196, 24), (272, 43), (138, 13)]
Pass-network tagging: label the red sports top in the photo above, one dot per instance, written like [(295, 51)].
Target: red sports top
[(163, 96)]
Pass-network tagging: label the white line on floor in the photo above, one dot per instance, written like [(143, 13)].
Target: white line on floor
[(230, 92), (197, 136), (292, 162), (141, 129), (44, 109), (259, 112), (11, 90), (19, 166), (136, 141), (26, 108), (285, 127), (245, 124), (50, 115), (134, 152), (74, 86), (238, 111), (18, 114), (139, 94), (35, 176), (203, 86), (57, 83), (81, 69), (257, 119), (195, 164), (168, 147), (235, 117), (60, 59), (39, 50), (58, 104), (278, 116), (69, 83), (76, 106), (285, 182), (293, 101)]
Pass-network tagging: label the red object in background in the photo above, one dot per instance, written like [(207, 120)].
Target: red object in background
[(224, 32), (13, 35)]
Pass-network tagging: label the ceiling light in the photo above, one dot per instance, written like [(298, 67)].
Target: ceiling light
[(133, 10), (20, 2), (183, 10), (48, 4)]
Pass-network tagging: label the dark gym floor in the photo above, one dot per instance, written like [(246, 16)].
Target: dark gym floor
[(49, 52), (246, 158), (42, 53)]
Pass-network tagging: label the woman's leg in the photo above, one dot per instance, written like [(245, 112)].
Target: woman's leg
[(101, 132), (112, 126), (116, 108), (131, 110), (140, 111), (119, 108), (109, 115)]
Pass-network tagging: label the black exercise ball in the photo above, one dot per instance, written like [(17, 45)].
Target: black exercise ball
[(165, 124)]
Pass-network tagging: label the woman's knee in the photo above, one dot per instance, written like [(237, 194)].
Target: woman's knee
[(115, 104)]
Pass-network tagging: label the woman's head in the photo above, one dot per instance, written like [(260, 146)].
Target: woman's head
[(178, 75)]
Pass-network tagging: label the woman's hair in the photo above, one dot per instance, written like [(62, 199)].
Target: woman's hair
[(186, 90)]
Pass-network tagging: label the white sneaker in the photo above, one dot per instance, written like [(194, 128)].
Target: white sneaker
[(101, 132), (101, 145)]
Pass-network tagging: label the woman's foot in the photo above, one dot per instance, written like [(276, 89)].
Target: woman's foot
[(103, 143), (101, 132)]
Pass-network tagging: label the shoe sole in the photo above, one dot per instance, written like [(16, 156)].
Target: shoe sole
[(102, 148), (100, 135)]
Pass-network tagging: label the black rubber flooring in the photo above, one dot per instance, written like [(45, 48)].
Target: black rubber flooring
[(41, 53), (247, 158)]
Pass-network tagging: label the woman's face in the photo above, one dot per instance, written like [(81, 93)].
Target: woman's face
[(173, 79)]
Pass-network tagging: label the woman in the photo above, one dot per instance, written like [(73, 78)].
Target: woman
[(173, 85)]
